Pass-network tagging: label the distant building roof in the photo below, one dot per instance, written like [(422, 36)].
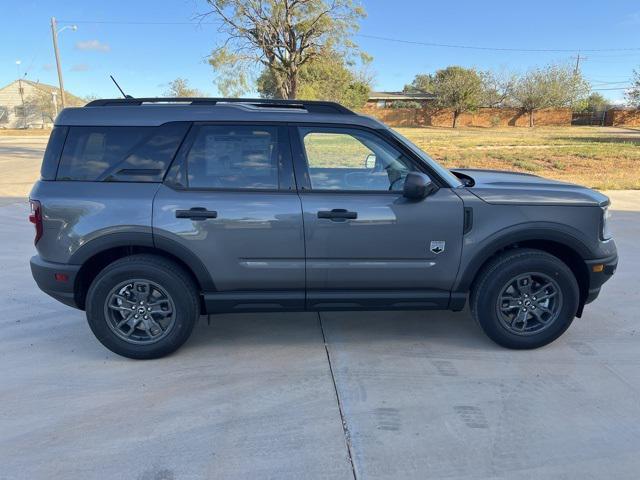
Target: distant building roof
[(71, 99), (401, 96)]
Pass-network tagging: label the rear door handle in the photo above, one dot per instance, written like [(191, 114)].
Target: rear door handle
[(196, 213), (338, 214)]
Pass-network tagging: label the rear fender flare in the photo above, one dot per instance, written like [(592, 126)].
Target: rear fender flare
[(148, 240)]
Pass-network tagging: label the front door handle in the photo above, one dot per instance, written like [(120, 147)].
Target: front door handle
[(338, 214), (196, 213)]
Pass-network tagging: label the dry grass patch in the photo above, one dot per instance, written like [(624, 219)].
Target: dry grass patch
[(598, 157), (21, 132)]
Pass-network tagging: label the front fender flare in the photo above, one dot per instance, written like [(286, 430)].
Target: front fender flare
[(557, 233)]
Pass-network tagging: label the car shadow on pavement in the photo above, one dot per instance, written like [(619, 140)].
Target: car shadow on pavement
[(356, 328)]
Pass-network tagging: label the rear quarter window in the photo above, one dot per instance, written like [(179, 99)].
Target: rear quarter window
[(52, 153), (120, 154)]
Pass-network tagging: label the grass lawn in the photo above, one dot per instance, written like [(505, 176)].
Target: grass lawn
[(606, 158)]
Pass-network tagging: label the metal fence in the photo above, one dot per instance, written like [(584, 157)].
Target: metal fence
[(596, 118)]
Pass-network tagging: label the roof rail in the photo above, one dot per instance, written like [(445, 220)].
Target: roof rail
[(312, 106)]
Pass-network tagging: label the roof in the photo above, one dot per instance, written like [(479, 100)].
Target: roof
[(401, 96), (45, 87), (157, 111)]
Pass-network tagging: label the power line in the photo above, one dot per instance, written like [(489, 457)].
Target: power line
[(609, 83), (614, 88), (127, 22), (377, 37), (499, 49)]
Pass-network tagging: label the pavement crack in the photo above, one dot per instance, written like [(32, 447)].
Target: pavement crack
[(343, 419)]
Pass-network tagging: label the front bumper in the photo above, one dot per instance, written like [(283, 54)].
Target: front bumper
[(600, 270), (56, 279)]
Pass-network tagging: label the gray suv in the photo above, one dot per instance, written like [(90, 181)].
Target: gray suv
[(152, 212)]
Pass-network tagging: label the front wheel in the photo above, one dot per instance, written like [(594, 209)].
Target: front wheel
[(142, 306), (525, 298)]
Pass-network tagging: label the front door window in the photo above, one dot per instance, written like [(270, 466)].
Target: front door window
[(352, 160)]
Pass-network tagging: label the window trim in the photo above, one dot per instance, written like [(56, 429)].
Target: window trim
[(126, 155), (284, 174), (301, 168)]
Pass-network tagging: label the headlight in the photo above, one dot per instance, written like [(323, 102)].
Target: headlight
[(606, 232)]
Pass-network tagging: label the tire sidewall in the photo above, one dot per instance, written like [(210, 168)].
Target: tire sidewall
[(184, 317), (487, 295)]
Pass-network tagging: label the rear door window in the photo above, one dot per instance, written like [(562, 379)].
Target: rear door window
[(244, 157), (120, 154)]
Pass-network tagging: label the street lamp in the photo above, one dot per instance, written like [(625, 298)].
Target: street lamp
[(54, 32)]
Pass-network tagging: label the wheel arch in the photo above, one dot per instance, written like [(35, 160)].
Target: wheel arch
[(571, 250), (98, 253)]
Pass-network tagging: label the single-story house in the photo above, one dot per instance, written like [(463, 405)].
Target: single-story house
[(390, 99), (27, 104)]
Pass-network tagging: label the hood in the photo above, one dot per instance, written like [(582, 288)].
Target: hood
[(498, 187)]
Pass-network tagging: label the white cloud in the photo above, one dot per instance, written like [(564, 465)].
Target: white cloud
[(94, 45), (80, 67), (631, 19), (47, 67)]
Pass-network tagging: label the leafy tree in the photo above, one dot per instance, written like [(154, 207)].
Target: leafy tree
[(180, 88), (551, 86), (39, 106), (43, 104), (593, 103), (497, 89), (90, 98), (326, 78), (422, 83), (457, 88), (280, 35), (633, 94)]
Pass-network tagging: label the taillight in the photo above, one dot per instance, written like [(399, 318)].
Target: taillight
[(35, 217)]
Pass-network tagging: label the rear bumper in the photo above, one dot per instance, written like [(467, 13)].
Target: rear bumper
[(598, 278), (45, 273)]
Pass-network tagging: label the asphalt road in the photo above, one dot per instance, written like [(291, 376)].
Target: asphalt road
[(20, 159), (390, 395)]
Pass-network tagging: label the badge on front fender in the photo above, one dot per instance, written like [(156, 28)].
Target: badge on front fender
[(437, 246)]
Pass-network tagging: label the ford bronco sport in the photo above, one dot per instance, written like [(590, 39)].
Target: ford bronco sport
[(151, 212)]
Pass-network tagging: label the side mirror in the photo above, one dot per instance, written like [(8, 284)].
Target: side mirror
[(418, 186), (370, 161)]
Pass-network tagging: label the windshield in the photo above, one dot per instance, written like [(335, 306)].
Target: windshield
[(443, 172)]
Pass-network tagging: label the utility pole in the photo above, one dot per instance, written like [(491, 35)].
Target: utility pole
[(54, 32), (578, 58), (21, 92), (54, 99)]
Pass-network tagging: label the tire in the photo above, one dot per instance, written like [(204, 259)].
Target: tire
[(170, 306), (499, 296)]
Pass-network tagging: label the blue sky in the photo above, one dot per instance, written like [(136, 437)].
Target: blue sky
[(145, 57)]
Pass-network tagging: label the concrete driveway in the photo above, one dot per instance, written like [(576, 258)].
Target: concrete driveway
[(385, 395)]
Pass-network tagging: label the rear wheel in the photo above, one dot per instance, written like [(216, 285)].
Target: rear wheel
[(525, 298), (142, 306)]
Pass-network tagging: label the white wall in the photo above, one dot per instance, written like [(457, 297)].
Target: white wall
[(11, 116)]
